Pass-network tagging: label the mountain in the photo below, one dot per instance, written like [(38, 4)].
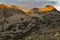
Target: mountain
[(17, 23), (44, 9)]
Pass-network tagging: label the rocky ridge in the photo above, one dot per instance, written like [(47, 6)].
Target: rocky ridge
[(17, 23)]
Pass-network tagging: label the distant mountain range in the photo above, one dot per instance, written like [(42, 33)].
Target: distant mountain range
[(15, 21)]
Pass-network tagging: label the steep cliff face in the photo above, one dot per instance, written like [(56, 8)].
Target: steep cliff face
[(17, 23)]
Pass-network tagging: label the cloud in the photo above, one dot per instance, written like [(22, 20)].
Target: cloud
[(29, 5), (1, 2)]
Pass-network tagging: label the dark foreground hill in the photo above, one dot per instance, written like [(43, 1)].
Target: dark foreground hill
[(18, 24)]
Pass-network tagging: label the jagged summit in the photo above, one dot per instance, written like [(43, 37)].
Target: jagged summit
[(54, 9), (44, 9), (9, 9), (47, 8)]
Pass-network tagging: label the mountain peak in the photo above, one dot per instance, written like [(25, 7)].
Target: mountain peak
[(3, 6), (44, 9), (54, 9), (47, 8)]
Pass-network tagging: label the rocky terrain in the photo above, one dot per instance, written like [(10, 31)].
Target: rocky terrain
[(33, 24)]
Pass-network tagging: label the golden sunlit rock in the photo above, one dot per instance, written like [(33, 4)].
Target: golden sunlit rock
[(4, 6), (44, 9)]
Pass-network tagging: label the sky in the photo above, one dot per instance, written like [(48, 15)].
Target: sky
[(29, 4)]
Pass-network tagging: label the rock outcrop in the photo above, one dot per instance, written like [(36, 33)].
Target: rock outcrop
[(17, 23)]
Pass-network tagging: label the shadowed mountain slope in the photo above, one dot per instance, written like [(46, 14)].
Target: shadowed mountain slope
[(17, 23)]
